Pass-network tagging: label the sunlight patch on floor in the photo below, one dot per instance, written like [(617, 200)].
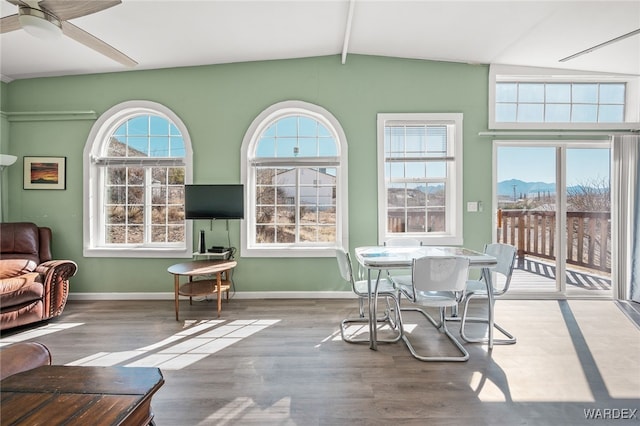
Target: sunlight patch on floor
[(196, 341), (245, 409), (362, 329), (37, 332), (595, 319), (539, 356), (486, 390)]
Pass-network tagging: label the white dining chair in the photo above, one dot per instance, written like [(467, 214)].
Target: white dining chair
[(402, 242), (360, 287), (403, 274), (477, 289), (439, 282)]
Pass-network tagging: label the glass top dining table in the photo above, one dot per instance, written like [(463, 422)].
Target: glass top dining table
[(379, 258)]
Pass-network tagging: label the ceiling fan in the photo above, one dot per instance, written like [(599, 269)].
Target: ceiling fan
[(46, 18), (601, 45)]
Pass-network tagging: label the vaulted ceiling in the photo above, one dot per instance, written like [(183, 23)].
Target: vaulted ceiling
[(177, 33)]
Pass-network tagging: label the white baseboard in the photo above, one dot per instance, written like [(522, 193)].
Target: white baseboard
[(237, 295)]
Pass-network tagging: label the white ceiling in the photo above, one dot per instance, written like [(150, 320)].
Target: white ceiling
[(176, 33)]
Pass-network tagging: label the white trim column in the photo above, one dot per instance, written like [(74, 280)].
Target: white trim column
[(626, 149)]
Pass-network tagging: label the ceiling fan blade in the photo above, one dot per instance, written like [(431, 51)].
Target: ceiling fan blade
[(92, 42), (598, 46), (70, 9), (9, 23)]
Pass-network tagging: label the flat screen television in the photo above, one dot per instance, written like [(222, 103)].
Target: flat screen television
[(214, 201)]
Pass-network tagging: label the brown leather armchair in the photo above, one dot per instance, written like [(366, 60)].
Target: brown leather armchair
[(33, 287)]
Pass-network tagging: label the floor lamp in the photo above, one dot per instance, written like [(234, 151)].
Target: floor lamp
[(5, 161)]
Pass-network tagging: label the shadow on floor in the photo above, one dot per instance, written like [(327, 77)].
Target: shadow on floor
[(579, 279)]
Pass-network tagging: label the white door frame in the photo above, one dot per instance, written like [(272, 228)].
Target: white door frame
[(560, 242)]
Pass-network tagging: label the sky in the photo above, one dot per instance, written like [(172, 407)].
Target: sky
[(537, 164)]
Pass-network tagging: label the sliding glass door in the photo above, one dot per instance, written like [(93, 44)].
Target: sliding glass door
[(588, 221), (552, 201)]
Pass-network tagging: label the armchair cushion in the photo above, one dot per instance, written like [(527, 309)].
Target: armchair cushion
[(25, 240), (21, 289), (13, 267)]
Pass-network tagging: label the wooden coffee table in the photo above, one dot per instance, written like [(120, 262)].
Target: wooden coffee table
[(202, 286), (74, 395)]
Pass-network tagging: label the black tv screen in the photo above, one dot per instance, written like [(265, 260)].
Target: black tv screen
[(214, 201)]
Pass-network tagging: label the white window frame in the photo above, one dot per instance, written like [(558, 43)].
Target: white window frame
[(453, 235), (270, 115), (93, 183), (508, 73)]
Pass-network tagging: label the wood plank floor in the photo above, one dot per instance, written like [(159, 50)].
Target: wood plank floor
[(282, 362)]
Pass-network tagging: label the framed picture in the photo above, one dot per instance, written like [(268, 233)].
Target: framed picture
[(45, 172)]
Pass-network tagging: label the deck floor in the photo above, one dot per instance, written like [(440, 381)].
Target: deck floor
[(535, 275)]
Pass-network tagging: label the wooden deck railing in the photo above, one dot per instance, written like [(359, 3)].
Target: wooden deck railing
[(533, 233)]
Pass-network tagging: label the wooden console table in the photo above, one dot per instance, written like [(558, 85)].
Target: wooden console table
[(73, 395), (202, 287)]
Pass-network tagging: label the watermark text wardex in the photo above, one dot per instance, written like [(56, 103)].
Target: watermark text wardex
[(611, 413)]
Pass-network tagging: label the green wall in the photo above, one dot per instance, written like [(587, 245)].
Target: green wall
[(217, 103), (4, 149)]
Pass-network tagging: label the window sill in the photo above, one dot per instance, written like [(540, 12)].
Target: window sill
[(137, 252), (288, 252), (602, 127)]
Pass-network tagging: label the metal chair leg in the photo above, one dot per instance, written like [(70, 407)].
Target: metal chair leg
[(394, 323), (510, 339), (442, 326)]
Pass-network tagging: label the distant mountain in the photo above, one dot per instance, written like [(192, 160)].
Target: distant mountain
[(432, 188), (506, 188)]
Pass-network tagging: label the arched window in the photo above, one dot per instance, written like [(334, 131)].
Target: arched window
[(295, 169), (137, 160)]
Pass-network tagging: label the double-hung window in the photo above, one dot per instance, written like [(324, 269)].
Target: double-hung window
[(295, 172), (136, 166), (420, 177)]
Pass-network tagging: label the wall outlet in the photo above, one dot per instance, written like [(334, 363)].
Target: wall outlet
[(472, 206)]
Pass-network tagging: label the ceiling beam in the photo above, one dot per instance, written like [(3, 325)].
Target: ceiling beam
[(347, 33)]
